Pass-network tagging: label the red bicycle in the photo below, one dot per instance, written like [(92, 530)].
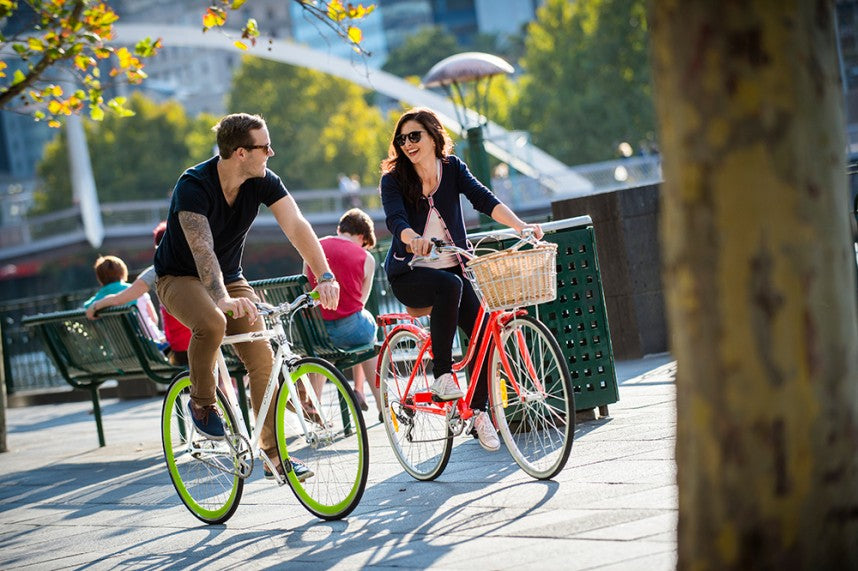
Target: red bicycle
[(531, 398)]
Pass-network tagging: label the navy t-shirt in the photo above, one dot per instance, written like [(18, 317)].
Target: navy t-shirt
[(198, 190)]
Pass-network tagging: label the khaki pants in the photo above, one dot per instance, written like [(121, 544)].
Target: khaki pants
[(187, 299)]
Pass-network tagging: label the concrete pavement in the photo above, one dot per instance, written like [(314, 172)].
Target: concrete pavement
[(65, 503)]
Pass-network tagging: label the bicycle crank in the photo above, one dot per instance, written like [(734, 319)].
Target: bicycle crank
[(237, 450)]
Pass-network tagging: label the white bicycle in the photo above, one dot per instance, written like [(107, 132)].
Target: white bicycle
[(326, 432)]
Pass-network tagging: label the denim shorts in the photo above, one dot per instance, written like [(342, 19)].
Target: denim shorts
[(353, 331)]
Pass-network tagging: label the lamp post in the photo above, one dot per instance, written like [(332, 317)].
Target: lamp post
[(455, 74)]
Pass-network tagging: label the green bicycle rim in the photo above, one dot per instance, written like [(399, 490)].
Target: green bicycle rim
[(189, 501), (345, 505)]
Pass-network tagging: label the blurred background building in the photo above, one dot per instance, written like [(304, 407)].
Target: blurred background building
[(200, 79)]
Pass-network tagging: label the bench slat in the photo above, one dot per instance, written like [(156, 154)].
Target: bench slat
[(309, 336)]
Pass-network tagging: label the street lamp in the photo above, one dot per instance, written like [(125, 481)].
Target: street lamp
[(453, 74)]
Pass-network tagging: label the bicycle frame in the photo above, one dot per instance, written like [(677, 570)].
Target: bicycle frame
[(490, 340), (282, 359)]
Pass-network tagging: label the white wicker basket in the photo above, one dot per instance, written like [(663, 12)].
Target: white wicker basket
[(509, 279)]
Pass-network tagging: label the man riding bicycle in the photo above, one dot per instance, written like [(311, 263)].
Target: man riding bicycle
[(198, 263)]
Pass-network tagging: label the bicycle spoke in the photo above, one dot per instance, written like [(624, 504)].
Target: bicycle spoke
[(329, 438), (205, 473), (532, 398), (420, 436)]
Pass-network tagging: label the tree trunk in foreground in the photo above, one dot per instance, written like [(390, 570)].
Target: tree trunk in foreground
[(759, 272)]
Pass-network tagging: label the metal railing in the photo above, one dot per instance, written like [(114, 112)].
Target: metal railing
[(25, 361), (323, 207)]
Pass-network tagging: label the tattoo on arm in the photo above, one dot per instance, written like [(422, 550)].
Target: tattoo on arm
[(198, 233)]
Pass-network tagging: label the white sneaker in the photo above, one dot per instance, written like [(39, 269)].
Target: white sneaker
[(445, 388), (486, 431)]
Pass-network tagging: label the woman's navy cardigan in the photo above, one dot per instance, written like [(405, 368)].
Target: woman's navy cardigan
[(456, 180)]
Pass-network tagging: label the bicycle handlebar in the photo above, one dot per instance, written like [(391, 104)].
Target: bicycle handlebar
[(304, 300), (308, 299), (440, 247)]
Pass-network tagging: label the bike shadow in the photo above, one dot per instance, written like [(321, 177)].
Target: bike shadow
[(122, 499)]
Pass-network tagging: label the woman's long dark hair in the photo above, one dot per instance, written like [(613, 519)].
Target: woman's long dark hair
[(400, 166)]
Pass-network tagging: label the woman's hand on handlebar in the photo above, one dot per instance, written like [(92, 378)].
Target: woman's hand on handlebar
[(534, 229), (420, 246)]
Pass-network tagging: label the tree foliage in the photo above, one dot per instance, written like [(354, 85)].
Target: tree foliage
[(319, 125), (420, 52), (52, 62), (134, 158), (587, 82), (70, 40), (336, 15)]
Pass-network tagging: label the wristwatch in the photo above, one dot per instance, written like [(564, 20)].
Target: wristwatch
[(326, 277)]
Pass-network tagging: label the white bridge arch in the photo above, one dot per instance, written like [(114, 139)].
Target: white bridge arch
[(517, 152)]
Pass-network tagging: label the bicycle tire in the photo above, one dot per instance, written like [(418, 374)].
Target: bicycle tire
[(422, 441), (211, 494), (535, 416), (335, 446)]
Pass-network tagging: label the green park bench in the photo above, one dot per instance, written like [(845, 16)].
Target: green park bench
[(88, 353), (309, 336), (115, 346)]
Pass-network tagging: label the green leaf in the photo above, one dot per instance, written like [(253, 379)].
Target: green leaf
[(18, 77), (96, 113)]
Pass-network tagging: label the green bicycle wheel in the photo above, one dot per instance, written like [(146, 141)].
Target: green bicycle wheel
[(203, 471), (328, 436)]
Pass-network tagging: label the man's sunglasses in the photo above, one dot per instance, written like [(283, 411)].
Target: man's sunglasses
[(413, 136), (266, 147)]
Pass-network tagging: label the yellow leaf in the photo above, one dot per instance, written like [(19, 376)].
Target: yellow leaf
[(355, 35), (54, 107), (96, 113), (214, 17), (54, 123), (336, 12), (35, 44), (236, 4), (239, 44)]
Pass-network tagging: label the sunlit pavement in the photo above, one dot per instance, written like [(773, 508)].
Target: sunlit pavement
[(66, 503)]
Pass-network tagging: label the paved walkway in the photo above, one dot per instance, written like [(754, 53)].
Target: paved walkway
[(65, 503)]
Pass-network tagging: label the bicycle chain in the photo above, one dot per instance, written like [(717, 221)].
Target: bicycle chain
[(454, 421)]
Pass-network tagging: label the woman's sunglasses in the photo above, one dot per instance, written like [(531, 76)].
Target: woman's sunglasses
[(413, 136)]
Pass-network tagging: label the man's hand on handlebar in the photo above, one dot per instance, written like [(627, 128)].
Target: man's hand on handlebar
[(329, 294), (238, 307)]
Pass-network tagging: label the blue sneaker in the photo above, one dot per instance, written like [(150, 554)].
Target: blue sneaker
[(207, 421), (302, 471)]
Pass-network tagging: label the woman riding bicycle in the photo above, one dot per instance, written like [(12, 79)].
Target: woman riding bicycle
[(420, 188)]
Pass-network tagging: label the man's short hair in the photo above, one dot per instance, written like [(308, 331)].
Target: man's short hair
[(358, 223), (109, 269), (233, 131)]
